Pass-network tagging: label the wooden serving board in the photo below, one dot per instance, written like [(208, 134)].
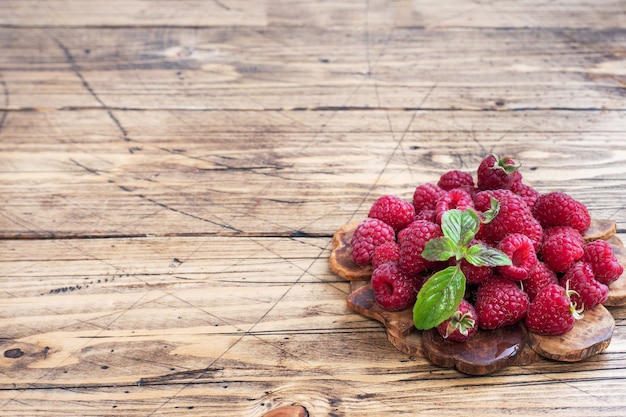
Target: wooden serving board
[(488, 350)]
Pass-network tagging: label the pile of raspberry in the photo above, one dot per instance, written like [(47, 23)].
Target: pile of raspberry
[(554, 275)]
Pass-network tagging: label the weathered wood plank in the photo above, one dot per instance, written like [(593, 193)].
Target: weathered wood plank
[(132, 13), (278, 173), (324, 13), (292, 68), (449, 14)]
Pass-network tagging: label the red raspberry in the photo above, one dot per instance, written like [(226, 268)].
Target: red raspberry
[(540, 276), (453, 199), (482, 199), (563, 229), (499, 303), (461, 325), (475, 274), (514, 217), (589, 291), (455, 179), (560, 209), (430, 215), (519, 248), (393, 289), (369, 234), (412, 241), (551, 312), (495, 173), (394, 211), (560, 250), (387, 252), (606, 268), (426, 196), (528, 193)]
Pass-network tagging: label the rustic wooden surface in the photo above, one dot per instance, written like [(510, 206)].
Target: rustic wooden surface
[(172, 172)]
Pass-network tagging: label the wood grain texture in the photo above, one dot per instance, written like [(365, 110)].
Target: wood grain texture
[(172, 173), (261, 68)]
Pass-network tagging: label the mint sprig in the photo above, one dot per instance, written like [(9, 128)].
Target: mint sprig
[(442, 293)]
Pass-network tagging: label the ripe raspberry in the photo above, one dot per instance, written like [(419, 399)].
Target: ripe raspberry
[(499, 303), (393, 289), (560, 209), (551, 312), (475, 274), (453, 199), (426, 196), (430, 215), (560, 250), (394, 211), (387, 252), (589, 291), (606, 268), (412, 241), (528, 193), (369, 234), (519, 248), (461, 325), (514, 217), (540, 276), (495, 173), (455, 179), (563, 229)]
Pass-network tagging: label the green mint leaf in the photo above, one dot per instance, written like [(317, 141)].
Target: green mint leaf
[(480, 255), (460, 226), (451, 225), (440, 296), (470, 223), (439, 249), (491, 214)]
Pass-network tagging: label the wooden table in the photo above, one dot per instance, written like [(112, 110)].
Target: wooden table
[(172, 172)]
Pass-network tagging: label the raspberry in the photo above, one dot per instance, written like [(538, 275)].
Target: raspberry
[(514, 217), (519, 248), (499, 303), (461, 325), (453, 199), (393, 289), (540, 276), (475, 274), (430, 215), (497, 173), (560, 209), (589, 291), (393, 210), (369, 234), (455, 179), (528, 193), (560, 250), (412, 241), (387, 252), (606, 268), (426, 196), (551, 312), (563, 229)]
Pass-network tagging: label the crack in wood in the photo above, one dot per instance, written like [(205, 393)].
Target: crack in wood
[(5, 93), (76, 69)]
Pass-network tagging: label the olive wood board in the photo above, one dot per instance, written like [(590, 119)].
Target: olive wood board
[(488, 350)]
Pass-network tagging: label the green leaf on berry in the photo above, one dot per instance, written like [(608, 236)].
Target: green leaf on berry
[(439, 249), (480, 255), (439, 298), (506, 164)]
